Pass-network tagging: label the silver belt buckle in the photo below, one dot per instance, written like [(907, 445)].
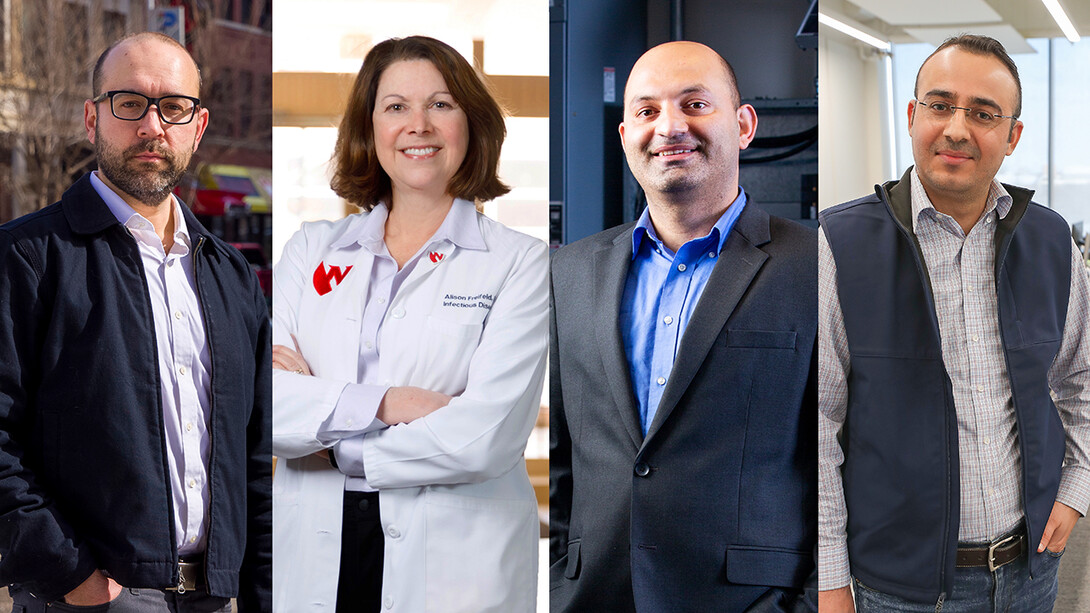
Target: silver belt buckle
[(996, 545), (183, 581)]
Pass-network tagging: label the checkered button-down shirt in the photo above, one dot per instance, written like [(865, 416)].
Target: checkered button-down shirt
[(961, 267)]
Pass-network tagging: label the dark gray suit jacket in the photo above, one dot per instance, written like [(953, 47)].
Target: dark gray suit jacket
[(716, 508)]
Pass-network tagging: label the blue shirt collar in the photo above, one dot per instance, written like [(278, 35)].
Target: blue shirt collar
[(718, 234)]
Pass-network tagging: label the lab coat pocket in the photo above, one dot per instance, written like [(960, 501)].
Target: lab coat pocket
[(455, 331), (445, 359), (481, 554)]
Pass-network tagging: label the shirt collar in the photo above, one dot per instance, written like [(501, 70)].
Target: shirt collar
[(998, 199), (645, 229), (128, 217), (460, 227)]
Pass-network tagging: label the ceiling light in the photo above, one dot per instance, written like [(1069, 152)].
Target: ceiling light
[(856, 33), (1062, 20)]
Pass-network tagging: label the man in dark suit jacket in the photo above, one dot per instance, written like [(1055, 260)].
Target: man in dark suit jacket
[(683, 394)]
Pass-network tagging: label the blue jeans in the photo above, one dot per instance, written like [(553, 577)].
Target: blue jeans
[(1009, 589)]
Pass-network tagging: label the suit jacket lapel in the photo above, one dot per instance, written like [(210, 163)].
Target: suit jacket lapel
[(611, 269), (736, 269)]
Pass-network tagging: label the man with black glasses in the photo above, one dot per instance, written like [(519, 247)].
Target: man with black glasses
[(954, 366), (135, 442)]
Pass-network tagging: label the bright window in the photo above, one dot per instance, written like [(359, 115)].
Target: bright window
[(1051, 157)]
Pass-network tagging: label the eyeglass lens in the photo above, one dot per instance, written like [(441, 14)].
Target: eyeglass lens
[(173, 109), (943, 111)]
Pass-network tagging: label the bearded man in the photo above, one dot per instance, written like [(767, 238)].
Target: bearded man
[(135, 469)]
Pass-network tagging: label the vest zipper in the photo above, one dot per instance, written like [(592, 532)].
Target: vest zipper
[(921, 266), (1014, 405)]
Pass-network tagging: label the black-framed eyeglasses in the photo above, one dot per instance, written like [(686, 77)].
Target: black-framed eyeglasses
[(132, 106), (943, 111)]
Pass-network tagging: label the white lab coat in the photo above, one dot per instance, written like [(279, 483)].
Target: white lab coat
[(457, 508)]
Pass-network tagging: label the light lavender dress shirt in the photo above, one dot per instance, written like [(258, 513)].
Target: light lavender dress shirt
[(184, 363)]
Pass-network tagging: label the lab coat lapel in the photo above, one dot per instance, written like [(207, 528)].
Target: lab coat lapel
[(738, 265), (611, 269), (341, 329)]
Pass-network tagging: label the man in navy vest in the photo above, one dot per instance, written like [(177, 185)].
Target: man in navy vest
[(683, 429), (954, 366)]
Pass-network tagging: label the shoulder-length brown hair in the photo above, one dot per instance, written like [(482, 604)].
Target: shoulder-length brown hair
[(358, 177)]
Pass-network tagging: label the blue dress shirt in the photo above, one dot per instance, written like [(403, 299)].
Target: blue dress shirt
[(660, 293)]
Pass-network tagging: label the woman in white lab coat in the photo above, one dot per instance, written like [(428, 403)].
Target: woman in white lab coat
[(410, 352)]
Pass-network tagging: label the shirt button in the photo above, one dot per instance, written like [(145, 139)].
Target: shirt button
[(381, 300), (711, 254), (969, 289), (388, 602), (192, 539), (192, 483), (986, 440), (177, 314), (642, 469), (393, 532), (189, 427), (181, 369), (975, 338), (661, 380), (348, 422), (667, 320), (980, 388), (398, 313), (368, 344), (681, 267)]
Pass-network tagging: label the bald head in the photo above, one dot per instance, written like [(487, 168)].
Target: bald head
[(142, 43), (680, 55)]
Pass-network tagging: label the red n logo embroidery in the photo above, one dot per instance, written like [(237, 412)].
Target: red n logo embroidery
[(325, 280)]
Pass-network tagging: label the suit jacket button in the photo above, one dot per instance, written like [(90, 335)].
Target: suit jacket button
[(642, 469)]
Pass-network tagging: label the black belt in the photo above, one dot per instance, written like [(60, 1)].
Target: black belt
[(996, 554), (190, 574)]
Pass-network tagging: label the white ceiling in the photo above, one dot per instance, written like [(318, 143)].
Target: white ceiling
[(930, 12), (932, 21)]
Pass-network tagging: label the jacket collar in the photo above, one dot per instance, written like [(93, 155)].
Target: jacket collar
[(87, 213), (898, 198)]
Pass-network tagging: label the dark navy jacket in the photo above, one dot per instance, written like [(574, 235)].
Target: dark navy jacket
[(901, 467), (83, 466), (716, 508)]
